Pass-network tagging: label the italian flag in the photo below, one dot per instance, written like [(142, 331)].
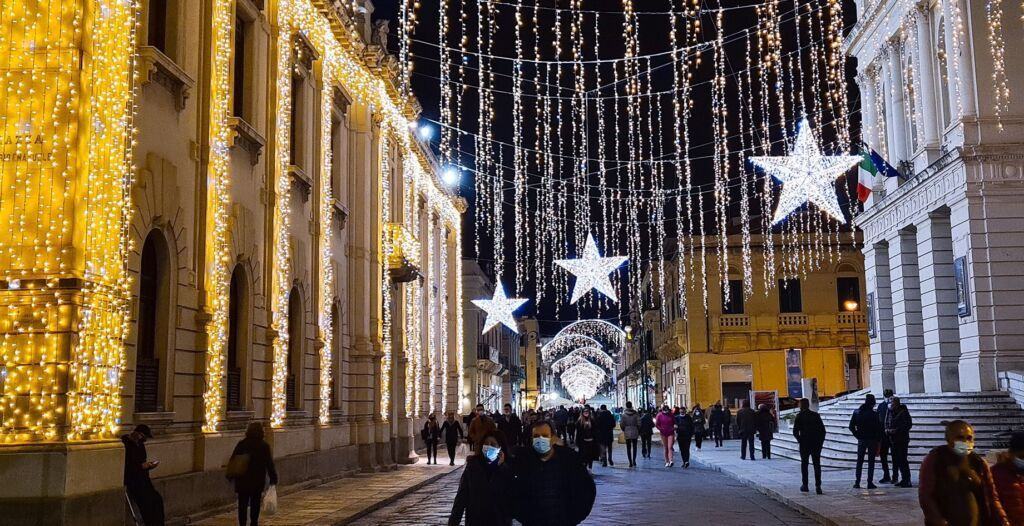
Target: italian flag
[(866, 176)]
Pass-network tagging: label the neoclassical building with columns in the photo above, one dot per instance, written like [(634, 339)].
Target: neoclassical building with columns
[(214, 212), (943, 244)]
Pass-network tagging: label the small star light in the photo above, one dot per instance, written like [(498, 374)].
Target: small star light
[(806, 175), (592, 271), (499, 309)]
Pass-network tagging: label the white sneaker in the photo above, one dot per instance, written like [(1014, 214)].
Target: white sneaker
[(670, 464), (666, 464)]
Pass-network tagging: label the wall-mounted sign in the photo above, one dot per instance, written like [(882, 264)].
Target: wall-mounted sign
[(794, 372), (963, 293), (872, 313)]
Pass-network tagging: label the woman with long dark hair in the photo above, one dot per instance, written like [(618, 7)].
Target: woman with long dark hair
[(251, 464), (586, 438)]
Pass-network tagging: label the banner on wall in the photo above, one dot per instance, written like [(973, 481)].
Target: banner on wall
[(794, 372)]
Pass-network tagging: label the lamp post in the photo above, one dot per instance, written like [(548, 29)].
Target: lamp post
[(851, 306)]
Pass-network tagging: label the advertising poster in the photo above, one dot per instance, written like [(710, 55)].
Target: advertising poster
[(794, 372)]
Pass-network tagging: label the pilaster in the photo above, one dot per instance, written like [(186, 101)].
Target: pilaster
[(940, 331), (906, 310)]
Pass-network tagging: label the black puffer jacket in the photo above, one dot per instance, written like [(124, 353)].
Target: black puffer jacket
[(483, 494), (864, 424), (556, 492)]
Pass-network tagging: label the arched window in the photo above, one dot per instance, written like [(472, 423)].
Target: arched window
[(294, 385), (336, 357), (238, 323), (151, 320)]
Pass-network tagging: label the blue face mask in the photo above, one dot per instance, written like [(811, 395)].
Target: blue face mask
[(491, 453), (542, 445)]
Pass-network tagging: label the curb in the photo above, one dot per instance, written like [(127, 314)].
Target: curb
[(392, 498), (803, 509)]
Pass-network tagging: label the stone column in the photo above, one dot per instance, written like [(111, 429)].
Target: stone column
[(452, 279), (927, 106), (868, 109), (897, 118), (959, 55), (938, 304), (906, 312), (883, 348)]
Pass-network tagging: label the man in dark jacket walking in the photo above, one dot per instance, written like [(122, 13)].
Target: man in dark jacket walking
[(605, 421), (867, 429), (746, 425), (715, 423), (646, 433), (510, 425), (726, 421), (897, 430), (809, 431), (884, 446)]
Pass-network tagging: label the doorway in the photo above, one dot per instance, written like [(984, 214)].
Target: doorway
[(852, 366)]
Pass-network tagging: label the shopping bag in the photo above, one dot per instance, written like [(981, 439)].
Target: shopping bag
[(462, 450), (270, 501), (237, 466)]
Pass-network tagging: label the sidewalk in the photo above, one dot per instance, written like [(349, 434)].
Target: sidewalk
[(344, 500), (841, 505)]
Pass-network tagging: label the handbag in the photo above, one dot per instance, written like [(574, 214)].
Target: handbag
[(237, 465), (269, 506)]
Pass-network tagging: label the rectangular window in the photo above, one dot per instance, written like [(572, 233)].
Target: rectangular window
[(241, 30), (157, 25), (296, 119), (733, 304), (847, 289), (789, 296)]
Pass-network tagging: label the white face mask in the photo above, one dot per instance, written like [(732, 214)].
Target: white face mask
[(963, 448)]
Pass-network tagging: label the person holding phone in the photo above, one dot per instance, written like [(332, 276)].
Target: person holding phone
[(136, 476)]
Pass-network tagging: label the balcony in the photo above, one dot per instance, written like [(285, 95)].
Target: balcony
[(403, 253), (734, 321), (792, 321), (847, 320), (488, 359)]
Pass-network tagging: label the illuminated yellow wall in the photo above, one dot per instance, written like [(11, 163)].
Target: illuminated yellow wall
[(64, 168)]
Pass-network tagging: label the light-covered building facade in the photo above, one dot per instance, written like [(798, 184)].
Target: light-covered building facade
[(222, 216), (941, 99)]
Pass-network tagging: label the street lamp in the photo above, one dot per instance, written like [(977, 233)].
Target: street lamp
[(851, 306)]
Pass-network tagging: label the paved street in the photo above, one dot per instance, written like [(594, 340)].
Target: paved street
[(648, 495)]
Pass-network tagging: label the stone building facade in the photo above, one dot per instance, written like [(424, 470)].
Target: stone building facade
[(942, 244), (223, 216), (810, 324)]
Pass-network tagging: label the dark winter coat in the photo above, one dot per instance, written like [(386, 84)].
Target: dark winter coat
[(260, 467), (715, 417), (1009, 480), (511, 427), (483, 494), (765, 423), (451, 431), (134, 457), (699, 421), (556, 492), (864, 424), (883, 416), (604, 422), (646, 425), (586, 440), (746, 422), (958, 490), (900, 424), (684, 426), (809, 429), (430, 433), (630, 424)]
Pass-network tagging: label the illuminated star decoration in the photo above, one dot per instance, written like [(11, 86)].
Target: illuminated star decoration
[(806, 175), (592, 271), (499, 309)]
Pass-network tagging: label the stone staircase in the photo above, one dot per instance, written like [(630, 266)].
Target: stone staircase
[(994, 415)]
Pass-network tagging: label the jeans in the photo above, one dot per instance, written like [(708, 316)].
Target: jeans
[(631, 451), (645, 445), (252, 501), (766, 448), (810, 452), (869, 447), (451, 446), (884, 450), (432, 451), (900, 463), (747, 441), (684, 447)]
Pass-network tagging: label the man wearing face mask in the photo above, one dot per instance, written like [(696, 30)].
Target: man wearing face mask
[(956, 486), (885, 446), (1008, 475), (485, 484), (552, 488), (510, 425)]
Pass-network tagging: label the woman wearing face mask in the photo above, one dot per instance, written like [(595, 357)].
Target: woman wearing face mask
[(552, 488), (665, 424), (585, 439), (956, 486), (431, 435), (1009, 478), (485, 485)]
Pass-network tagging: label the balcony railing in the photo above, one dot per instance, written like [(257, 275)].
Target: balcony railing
[(403, 252), (792, 320), (851, 318), (734, 320)]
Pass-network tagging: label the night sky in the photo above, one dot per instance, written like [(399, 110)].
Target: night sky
[(653, 38)]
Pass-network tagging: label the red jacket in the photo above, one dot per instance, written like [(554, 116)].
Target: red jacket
[(1010, 487), (664, 423)]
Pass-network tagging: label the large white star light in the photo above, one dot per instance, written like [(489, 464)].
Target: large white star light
[(592, 271), (499, 309), (806, 175)]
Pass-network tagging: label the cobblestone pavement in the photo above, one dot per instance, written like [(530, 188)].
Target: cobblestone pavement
[(647, 495), (841, 505)]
